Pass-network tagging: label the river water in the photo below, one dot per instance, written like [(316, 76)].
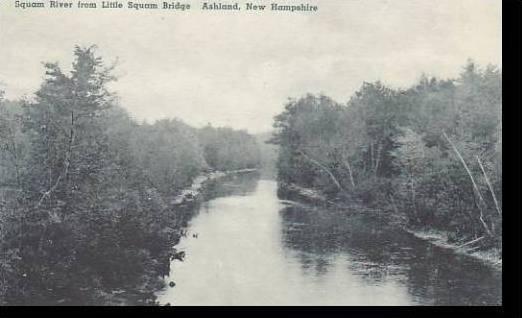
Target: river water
[(247, 247)]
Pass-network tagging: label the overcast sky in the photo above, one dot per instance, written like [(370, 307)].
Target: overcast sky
[(238, 69)]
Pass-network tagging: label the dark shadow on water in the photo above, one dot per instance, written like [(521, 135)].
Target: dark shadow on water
[(378, 252)]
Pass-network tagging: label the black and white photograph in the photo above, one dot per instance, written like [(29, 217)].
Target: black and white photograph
[(251, 153)]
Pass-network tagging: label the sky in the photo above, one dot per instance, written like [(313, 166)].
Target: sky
[(238, 69)]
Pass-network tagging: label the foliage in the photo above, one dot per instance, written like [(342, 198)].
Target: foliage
[(431, 153), (85, 189), (228, 149)]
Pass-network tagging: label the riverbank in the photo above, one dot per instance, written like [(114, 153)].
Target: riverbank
[(491, 257), (190, 193), (182, 203)]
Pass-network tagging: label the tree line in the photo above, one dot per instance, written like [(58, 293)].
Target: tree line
[(430, 154), (85, 188)]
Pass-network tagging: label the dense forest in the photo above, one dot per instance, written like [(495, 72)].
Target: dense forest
[(85, 189), (429, 155)]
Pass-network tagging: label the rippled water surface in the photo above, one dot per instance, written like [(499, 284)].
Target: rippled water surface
[(255, 249)]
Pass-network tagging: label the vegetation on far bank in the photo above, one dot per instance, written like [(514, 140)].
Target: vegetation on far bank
[(430, 154)]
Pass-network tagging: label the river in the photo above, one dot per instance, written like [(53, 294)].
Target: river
[(245, 246)]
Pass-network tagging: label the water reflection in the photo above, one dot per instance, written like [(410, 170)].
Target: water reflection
[(233, 185), (379, 253), (254, 249)]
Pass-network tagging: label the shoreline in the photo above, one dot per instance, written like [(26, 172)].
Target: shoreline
[(190, 193), (491, 257), (155, 282), (187, 197)]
